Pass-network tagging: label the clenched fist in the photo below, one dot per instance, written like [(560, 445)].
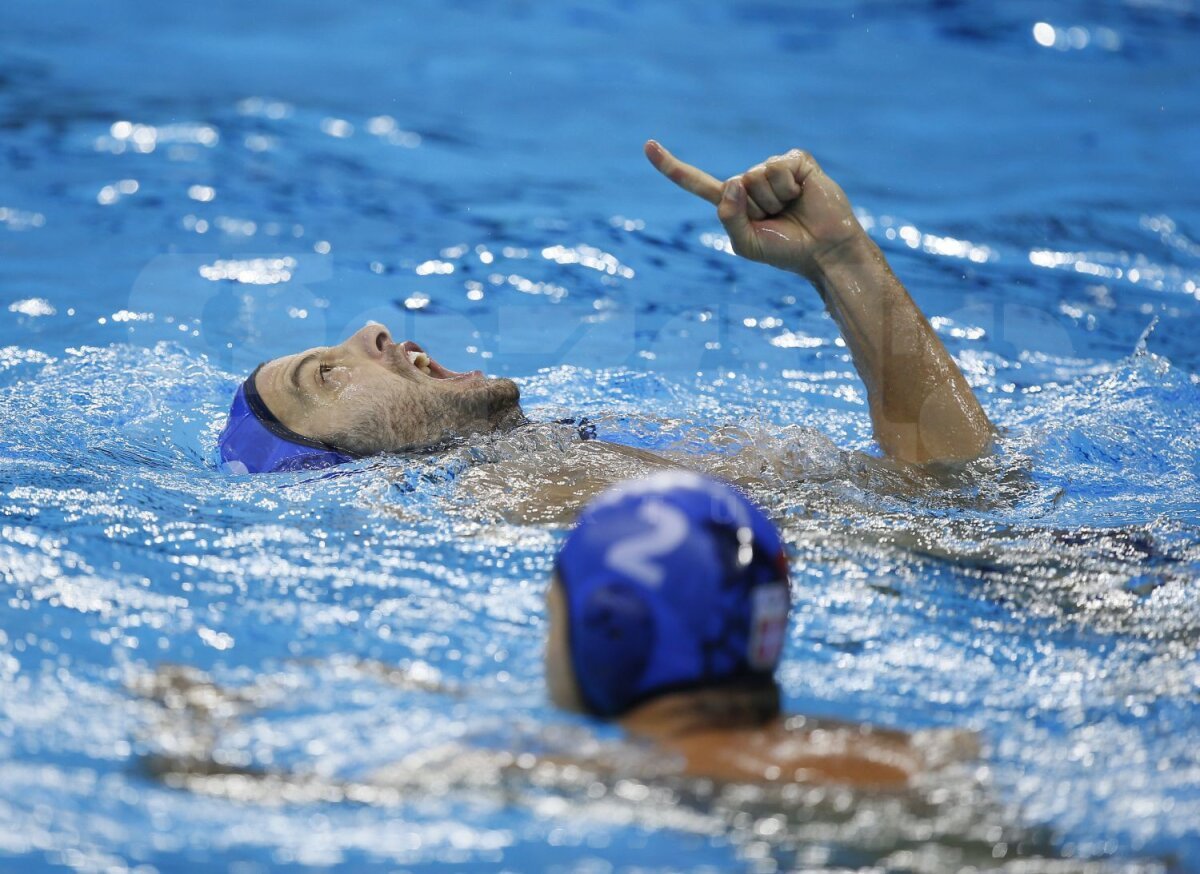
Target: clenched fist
[(784, 212)]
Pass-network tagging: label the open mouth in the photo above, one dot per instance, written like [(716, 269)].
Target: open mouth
[(426, 366)]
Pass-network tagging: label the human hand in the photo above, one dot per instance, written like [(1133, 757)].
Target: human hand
[(784, 212)]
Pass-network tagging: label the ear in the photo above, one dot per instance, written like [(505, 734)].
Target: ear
[(613, 641)]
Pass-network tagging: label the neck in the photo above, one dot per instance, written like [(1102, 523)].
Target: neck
[(727, 708)]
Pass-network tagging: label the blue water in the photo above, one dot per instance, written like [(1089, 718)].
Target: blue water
[(188, 190)]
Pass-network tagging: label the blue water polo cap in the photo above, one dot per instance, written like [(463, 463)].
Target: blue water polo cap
[(671, 582), (254, 441)]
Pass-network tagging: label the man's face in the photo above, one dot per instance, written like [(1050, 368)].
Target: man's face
[(370, 395)]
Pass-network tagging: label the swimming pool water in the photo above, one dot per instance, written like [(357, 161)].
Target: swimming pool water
[(188, 190)]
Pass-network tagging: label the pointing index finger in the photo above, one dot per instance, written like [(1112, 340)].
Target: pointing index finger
[(686, 176)]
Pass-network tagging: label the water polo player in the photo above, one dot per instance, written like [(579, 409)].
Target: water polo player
[(371, 395), (668, 612)]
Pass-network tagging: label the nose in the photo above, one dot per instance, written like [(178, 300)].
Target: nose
[(371, 339)]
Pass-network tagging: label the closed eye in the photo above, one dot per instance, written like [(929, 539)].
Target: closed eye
[(322, 370)]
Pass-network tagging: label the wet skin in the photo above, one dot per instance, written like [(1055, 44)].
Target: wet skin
[(366, 395), (788, 213), (370, 394)]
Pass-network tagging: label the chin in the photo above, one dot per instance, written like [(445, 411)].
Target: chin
[(483, 406), (504, 405)]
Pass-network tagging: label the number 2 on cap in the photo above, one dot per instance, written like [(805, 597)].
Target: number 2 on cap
[(635, 556)]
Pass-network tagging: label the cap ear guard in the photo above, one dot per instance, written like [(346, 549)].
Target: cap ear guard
[(757, 600), (255, 441), (612, 642), (770, 604)]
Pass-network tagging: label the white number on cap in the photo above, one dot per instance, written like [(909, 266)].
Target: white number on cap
[(635, 556)]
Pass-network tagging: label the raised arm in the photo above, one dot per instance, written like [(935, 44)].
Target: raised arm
[(786, 212)]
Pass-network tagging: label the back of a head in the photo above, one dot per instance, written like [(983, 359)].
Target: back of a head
[(671, 583)]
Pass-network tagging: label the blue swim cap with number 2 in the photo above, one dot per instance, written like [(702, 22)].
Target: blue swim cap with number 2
[(671, 582)]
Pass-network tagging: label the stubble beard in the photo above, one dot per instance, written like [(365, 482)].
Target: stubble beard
[(431, 417), (492, 406)]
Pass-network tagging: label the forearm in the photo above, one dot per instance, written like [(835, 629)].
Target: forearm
[(788, 213), (921, 406)]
